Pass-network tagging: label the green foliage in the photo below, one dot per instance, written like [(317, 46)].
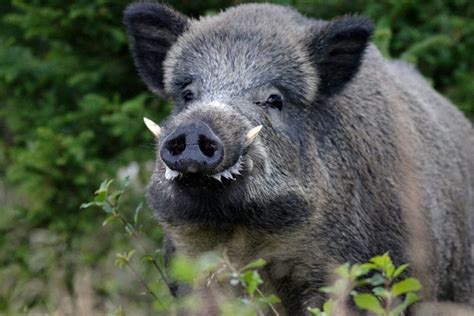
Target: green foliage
[(374, 286), (207, 268), (70, 116)]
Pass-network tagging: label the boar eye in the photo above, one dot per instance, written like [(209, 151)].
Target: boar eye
[(275, 101), (187, 95)]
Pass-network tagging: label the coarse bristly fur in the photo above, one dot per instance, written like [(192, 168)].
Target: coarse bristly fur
[(363, 157)]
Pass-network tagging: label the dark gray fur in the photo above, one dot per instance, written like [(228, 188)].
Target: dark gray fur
[(364, 158)]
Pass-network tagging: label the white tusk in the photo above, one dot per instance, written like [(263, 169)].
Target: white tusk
[(153, 127), (250, 137), (217, 177), (170, 174)]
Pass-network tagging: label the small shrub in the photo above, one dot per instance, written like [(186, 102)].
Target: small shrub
[(389, 295)]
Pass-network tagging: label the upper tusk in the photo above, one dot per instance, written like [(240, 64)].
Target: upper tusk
[(250, 137), (153, 127)]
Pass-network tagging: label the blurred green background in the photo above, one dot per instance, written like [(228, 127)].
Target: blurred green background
[(71, 108)]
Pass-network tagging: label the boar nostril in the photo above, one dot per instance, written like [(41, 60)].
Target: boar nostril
[(192, 148), (207, 146), (177, 145)]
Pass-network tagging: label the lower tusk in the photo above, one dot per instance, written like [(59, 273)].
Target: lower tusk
[(153, 127), (251, 135)]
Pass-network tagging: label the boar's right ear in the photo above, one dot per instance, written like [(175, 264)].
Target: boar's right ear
[(152, 28), (337, 49)]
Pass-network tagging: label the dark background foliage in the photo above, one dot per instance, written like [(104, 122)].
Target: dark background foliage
[(71, 108)]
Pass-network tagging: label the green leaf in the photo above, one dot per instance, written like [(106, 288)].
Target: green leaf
[(410, 298), (108, 219), (130, 254), (251, 280), (380, 291), (327, 289), (405, 286), (256, 264), (315, 311), (368, 302), (100, 197), (389, 271), (137, 210), (182, 268), (375, 280), (107, 208), (87, 205), (129, 229), (358, 270), (368, 266), (383, 263), (104, 186), (343, 270), (400, 269), (328, 307)]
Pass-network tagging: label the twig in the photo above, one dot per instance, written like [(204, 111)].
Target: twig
[(138, 238), (145, 284)]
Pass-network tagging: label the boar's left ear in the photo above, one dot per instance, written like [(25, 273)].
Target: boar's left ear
[(337, 49), (152, 28)]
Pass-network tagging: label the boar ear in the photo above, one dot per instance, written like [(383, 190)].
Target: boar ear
[(152, 29), (337, 49)]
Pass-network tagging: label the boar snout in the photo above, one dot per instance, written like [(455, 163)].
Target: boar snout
[(192, 148)]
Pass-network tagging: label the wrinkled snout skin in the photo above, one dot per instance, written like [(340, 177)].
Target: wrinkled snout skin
[(356, 156)]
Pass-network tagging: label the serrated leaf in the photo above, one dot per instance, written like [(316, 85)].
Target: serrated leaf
[(405, 286), (256, 264), (368, 302)]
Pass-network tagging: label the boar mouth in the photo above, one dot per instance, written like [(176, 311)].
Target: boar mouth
[(229, 173)]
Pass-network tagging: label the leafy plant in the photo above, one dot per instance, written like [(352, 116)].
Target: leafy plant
[(206, 268), (390, 294)]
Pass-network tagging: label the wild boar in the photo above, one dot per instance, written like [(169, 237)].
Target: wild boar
[(293, 140)]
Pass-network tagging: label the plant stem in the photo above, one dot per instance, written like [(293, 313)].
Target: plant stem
[(149, 290), (155, 264), (270, 304)]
